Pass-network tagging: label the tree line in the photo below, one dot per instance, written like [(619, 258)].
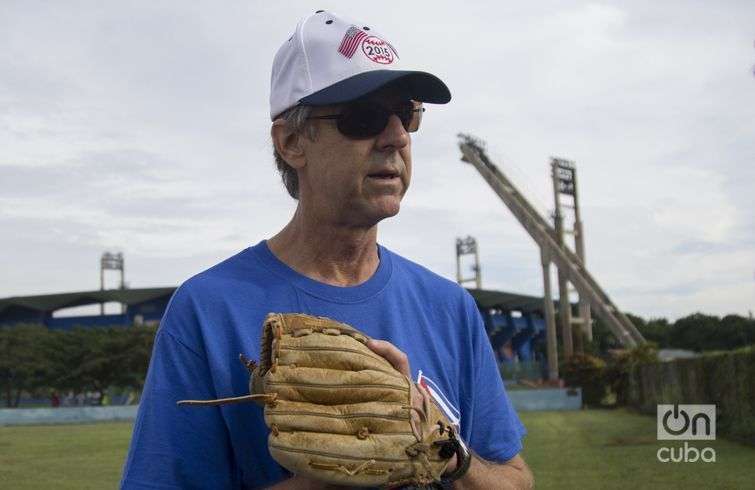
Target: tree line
[(38, 361), (698, 332)]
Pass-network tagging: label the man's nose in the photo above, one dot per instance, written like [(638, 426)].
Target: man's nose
[(394, 136)]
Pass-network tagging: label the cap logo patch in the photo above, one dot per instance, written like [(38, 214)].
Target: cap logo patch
[(350, 41), (378, 50)]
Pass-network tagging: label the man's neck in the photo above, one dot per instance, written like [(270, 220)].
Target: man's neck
[(326, 252)]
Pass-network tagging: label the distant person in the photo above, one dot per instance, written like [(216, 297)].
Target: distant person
[(132, 398), (54, 400), (342, 115)]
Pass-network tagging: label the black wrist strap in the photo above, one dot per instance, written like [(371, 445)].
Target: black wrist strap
[(463, 462)]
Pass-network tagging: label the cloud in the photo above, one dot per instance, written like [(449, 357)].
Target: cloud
[(698, 247), (143, 127)]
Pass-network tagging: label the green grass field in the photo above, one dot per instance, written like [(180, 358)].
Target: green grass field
[(581, 450), (617, 449)]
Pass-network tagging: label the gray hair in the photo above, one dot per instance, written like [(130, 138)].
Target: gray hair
[(297, 123)]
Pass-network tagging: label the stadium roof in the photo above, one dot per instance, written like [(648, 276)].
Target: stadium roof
[(485, 298), (52, 302)]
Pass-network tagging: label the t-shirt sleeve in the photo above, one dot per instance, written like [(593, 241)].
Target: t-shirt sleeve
[(493, 429), (178, 446)]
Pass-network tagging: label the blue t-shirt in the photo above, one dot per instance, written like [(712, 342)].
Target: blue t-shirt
[(218, 314)]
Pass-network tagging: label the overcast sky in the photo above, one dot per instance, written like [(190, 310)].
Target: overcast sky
[(144, 128)]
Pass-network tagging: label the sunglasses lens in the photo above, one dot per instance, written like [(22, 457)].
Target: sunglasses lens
[(366, 120), (363, 120), (411, 116)]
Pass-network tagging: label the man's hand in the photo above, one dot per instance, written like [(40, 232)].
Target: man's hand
[(514, 474), (400, 361), (392, 354)]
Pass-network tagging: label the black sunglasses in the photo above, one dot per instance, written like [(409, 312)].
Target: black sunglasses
[(366, 119)]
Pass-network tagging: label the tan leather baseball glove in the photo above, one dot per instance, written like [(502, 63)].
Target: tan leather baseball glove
[(340, 413)]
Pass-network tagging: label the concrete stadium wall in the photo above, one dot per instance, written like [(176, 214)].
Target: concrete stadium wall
[(66, 415), (523, 401), (546, 399)]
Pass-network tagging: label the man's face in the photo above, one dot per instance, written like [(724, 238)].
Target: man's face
[(356, 182)]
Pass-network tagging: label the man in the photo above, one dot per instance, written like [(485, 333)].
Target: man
[(342, 115)]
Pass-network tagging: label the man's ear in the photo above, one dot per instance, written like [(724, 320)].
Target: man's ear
[(289, 145)]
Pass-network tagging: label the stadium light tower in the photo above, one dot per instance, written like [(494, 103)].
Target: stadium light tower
[(468, 246), (564, 175), (111, 261)]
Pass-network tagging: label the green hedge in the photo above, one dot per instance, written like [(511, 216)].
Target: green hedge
[(604, 381), (726, 379), (587, 372)]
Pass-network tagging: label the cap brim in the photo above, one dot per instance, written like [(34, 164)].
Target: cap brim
[(420, 86)]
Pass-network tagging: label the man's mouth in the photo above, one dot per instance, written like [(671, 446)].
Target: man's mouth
[(384, 174)]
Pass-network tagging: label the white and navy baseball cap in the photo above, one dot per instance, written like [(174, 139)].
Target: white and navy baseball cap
[(332, 60)]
